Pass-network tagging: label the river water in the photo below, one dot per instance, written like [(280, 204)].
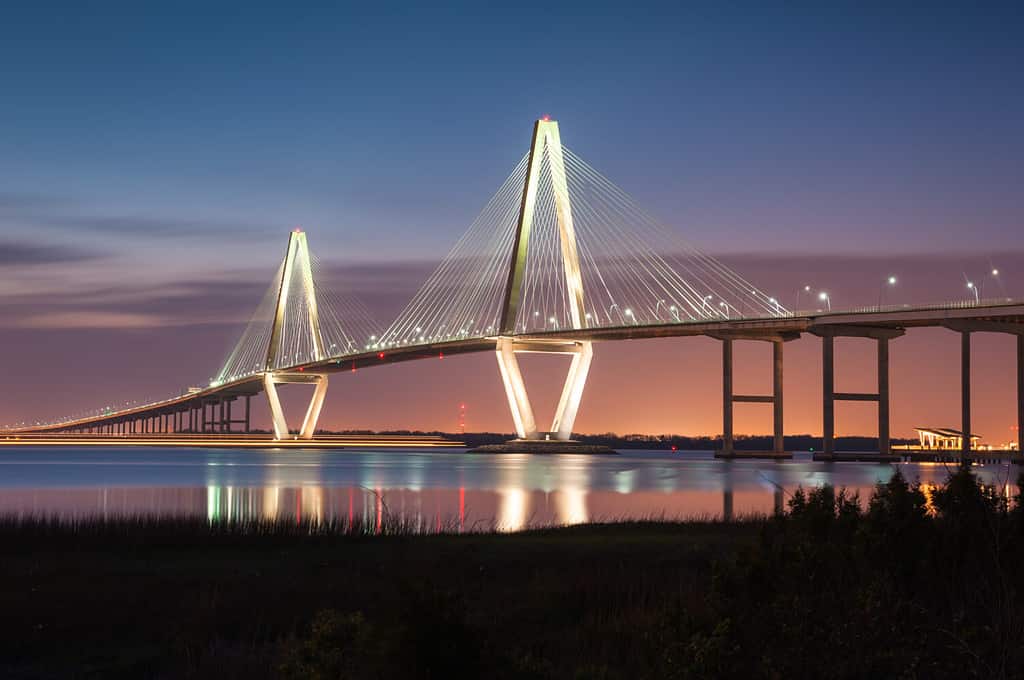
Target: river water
[(428, 489)]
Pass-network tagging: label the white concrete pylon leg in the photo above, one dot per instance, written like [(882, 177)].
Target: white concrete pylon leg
[(515, 388), (276, 412), (313, 412), (572, 391), (272, 380)]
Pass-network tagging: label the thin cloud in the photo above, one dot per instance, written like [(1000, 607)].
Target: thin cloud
[(17, 253), (91, 319), (58, 212)]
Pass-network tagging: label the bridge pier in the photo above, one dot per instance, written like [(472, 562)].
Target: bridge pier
[(965, 327), (319, 382), (965, 395), (572, 390), (1020, 394), (882, 336), (775, 399)]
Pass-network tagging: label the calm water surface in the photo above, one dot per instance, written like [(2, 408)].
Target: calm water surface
[(427, 488)]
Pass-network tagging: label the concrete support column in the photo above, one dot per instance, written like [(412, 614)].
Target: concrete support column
[(1020, 393), (965, 394), (727, 432), (883, 396), (777, 395), (247, 398), (227, 419), (828, 403)]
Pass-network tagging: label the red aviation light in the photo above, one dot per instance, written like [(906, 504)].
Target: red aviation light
[(545, 118)]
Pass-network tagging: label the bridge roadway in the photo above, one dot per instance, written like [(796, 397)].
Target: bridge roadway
[(209, 410)]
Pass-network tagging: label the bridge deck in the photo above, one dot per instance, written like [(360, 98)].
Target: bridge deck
[(999, 317)]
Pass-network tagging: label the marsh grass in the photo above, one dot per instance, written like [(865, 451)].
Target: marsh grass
[(902, 584)]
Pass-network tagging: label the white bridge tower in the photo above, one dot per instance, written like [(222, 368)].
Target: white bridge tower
[(296, 271), (546, 146)]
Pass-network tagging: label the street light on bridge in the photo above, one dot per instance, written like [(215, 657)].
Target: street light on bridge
[(823, 296), (890, 281), (974, 289)]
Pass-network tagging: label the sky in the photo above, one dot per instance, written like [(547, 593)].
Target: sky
[(153, 159)]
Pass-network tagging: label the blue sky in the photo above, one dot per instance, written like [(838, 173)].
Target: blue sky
[(389, 126)]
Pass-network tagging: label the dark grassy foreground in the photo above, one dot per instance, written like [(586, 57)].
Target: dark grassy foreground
[(827, 590)]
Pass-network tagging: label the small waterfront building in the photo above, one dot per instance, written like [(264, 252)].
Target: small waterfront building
[(943, 438)]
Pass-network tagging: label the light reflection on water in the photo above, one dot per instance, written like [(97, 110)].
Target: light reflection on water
[(428, 490)]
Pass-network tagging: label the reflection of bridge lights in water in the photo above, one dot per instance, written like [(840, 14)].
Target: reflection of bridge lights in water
[(271, 501), (571, 504), (212, 503), (625, 481), (312, 503), (512, 509), (462, 507)]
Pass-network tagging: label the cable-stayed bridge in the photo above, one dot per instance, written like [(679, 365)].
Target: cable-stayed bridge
[(559, 258)]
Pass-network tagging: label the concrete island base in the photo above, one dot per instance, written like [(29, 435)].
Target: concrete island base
[(544, 446)]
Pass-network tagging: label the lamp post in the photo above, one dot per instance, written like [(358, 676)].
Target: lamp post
[(995, 276), (890, 281), (823, 296), (974, 289), (805, 289)]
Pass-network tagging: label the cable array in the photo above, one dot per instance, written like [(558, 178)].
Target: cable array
[(634, 270), (463, 297), (316, 324)]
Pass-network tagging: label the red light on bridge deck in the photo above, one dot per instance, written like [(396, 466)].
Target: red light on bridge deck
[(353, 367), (673, 448), (440, 355), (380, 355), (301, 369)]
